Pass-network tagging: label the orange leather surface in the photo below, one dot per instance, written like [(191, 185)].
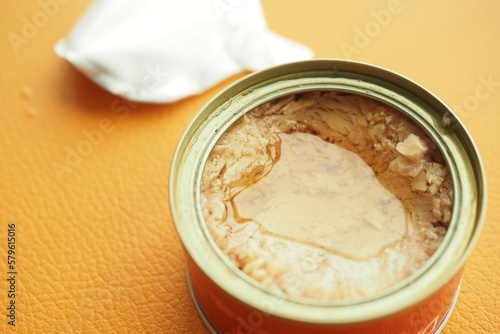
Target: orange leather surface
[(84, 175)]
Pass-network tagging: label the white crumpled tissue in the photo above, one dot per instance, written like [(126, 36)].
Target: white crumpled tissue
[(164, 50)]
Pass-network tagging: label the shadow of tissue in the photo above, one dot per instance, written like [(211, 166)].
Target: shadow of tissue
[(81, 93)]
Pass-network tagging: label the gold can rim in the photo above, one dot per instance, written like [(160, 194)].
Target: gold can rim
[(419, 104)]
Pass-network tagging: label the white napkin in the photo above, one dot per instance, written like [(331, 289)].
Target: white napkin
[(164, 50)]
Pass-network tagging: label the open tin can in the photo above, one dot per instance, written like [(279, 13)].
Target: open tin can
[(232, 303)]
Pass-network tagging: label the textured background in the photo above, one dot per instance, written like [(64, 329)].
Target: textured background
[(97, 250)]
